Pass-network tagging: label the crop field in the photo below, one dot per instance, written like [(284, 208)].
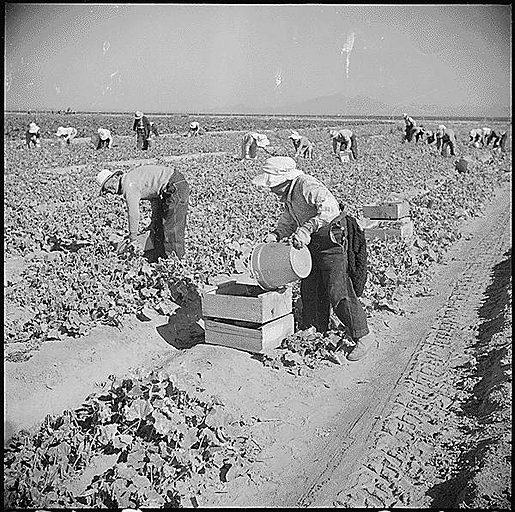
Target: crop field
[(164, 443)]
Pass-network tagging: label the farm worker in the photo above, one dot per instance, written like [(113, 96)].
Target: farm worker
[(142, 128), (486, 133), (153, 133), (346, 140), (496, 136), (194, 129), (430, 136), (104, 138), (66, 134), (410, 124), (476, 136), (303, 146), (309, 219), (168, 193), (445, 138), (251, 142), (417, 132), (32, 136)]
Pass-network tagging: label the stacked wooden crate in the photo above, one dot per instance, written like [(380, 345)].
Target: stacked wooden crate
[(388, 219), (246, 317)]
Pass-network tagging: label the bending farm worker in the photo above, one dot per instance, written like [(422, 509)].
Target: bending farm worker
[(430, 136), (251, 142), (168, 193), (346, 140), (498, 139), (194, 129), (417, 132), (104, 138), (445, 139), (142, 128), (486, 133), (33, 136), (476, 137), (302, 145), (66, 134), (311, 218), (410, 124)]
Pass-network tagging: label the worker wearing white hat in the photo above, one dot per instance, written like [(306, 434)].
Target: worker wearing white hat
[(168, 193), (476, 137), (104, 138), (302, 145), (33, 136), (251, 142), (310, 218), (142, 128), (194, 129), (66, 134), (445, 140), (344, 139), (410, 124)]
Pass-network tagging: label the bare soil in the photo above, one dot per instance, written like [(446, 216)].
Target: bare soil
[(423, 421)]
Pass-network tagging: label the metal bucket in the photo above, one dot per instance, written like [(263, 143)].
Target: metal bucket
[(276, 264), (345, 157)]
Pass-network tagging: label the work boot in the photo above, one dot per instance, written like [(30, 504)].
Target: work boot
[(363, 345)]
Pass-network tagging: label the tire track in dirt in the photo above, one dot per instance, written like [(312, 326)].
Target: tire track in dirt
[(377, 460)]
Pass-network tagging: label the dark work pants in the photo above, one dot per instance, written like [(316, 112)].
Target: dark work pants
[(327, 285), (142, 141), (354, 147), (169, 219)]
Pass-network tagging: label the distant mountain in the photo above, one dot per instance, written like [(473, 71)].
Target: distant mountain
[(360, 105)]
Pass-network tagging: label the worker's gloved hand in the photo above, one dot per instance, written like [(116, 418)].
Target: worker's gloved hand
[(271, 237), (300, 238)]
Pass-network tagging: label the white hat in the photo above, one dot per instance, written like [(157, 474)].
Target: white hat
[(103, 176), (404, 114), (103, 133), (442, 127), (33, 128), (138, 115), (277, 170), (193, 125), (261, 140), (295, 135), (333, 133)]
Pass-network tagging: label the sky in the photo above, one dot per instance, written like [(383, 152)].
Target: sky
[(212, 57)]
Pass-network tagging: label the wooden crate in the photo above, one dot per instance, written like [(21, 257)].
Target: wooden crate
[(250, 303), (249, 339), (388, 211), (402, 228)]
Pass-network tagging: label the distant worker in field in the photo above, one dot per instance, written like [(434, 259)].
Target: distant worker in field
[(194, 129), (445, 140), (417, 133), (409, 125), (153, 133), (311, 218), (66, 134), (302, 145), (142, 128), (476, 137), (344, 140), (168, 193), (33, 136), (430, 137), (251, 142), (486, 133), (498, 139), (104, 138)]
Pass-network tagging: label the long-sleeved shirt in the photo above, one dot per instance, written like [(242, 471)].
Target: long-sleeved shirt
[(301, 145), (68, 133), (146, 182), (410, 122), (342, 140), (308, 204)]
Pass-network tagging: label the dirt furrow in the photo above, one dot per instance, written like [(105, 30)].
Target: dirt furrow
[(378, 459)]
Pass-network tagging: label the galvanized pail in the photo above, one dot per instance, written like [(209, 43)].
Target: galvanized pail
[(276, 264)]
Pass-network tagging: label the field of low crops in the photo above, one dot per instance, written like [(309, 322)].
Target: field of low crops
[(73, 280)]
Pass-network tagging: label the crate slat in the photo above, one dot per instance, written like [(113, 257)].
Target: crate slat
[(265, 337), (387, 211)]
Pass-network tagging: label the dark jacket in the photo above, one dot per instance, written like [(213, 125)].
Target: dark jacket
[(146, 125)]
